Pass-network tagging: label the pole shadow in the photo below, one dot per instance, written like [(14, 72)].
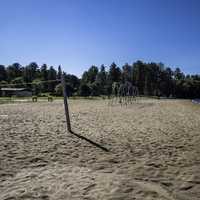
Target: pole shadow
[(90, 141)]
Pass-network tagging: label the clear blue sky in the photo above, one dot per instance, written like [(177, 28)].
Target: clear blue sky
[(79, 33)]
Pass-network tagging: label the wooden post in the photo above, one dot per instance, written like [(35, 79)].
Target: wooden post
[(65, 103)]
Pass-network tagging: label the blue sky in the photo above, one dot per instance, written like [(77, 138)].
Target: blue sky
[(80, 33)]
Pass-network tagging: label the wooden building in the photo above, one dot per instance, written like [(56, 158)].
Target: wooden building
[(19, 92)]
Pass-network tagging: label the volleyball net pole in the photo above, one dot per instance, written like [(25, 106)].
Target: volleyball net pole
[(66, 103)]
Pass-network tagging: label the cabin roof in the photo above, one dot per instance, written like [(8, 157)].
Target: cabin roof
[(13, 89)]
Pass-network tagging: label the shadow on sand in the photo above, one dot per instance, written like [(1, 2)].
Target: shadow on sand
[(90, 141)]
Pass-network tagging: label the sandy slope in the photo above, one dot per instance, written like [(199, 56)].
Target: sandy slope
[(154, 151)]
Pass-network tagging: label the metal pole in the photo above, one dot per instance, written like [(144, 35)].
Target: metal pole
[(65, 103)]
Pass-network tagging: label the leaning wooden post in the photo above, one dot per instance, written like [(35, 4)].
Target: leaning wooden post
[(65, 103)]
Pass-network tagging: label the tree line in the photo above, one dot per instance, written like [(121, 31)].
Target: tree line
[(152, 79)]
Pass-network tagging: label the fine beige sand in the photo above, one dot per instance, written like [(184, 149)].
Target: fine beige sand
[(154, 151)]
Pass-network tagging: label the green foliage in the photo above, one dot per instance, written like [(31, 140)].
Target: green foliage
[(59, 90), (19, 81), (152, 79), (90, 75), (70, 90), (13, 71), (37, 86), (52, 74), (101, 80), (59, 74), (73, 82), (36, 78), (84, 90), (95, 89), (115, 73), (127, 74), (2, 83), (3, 74), (30, 72)]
